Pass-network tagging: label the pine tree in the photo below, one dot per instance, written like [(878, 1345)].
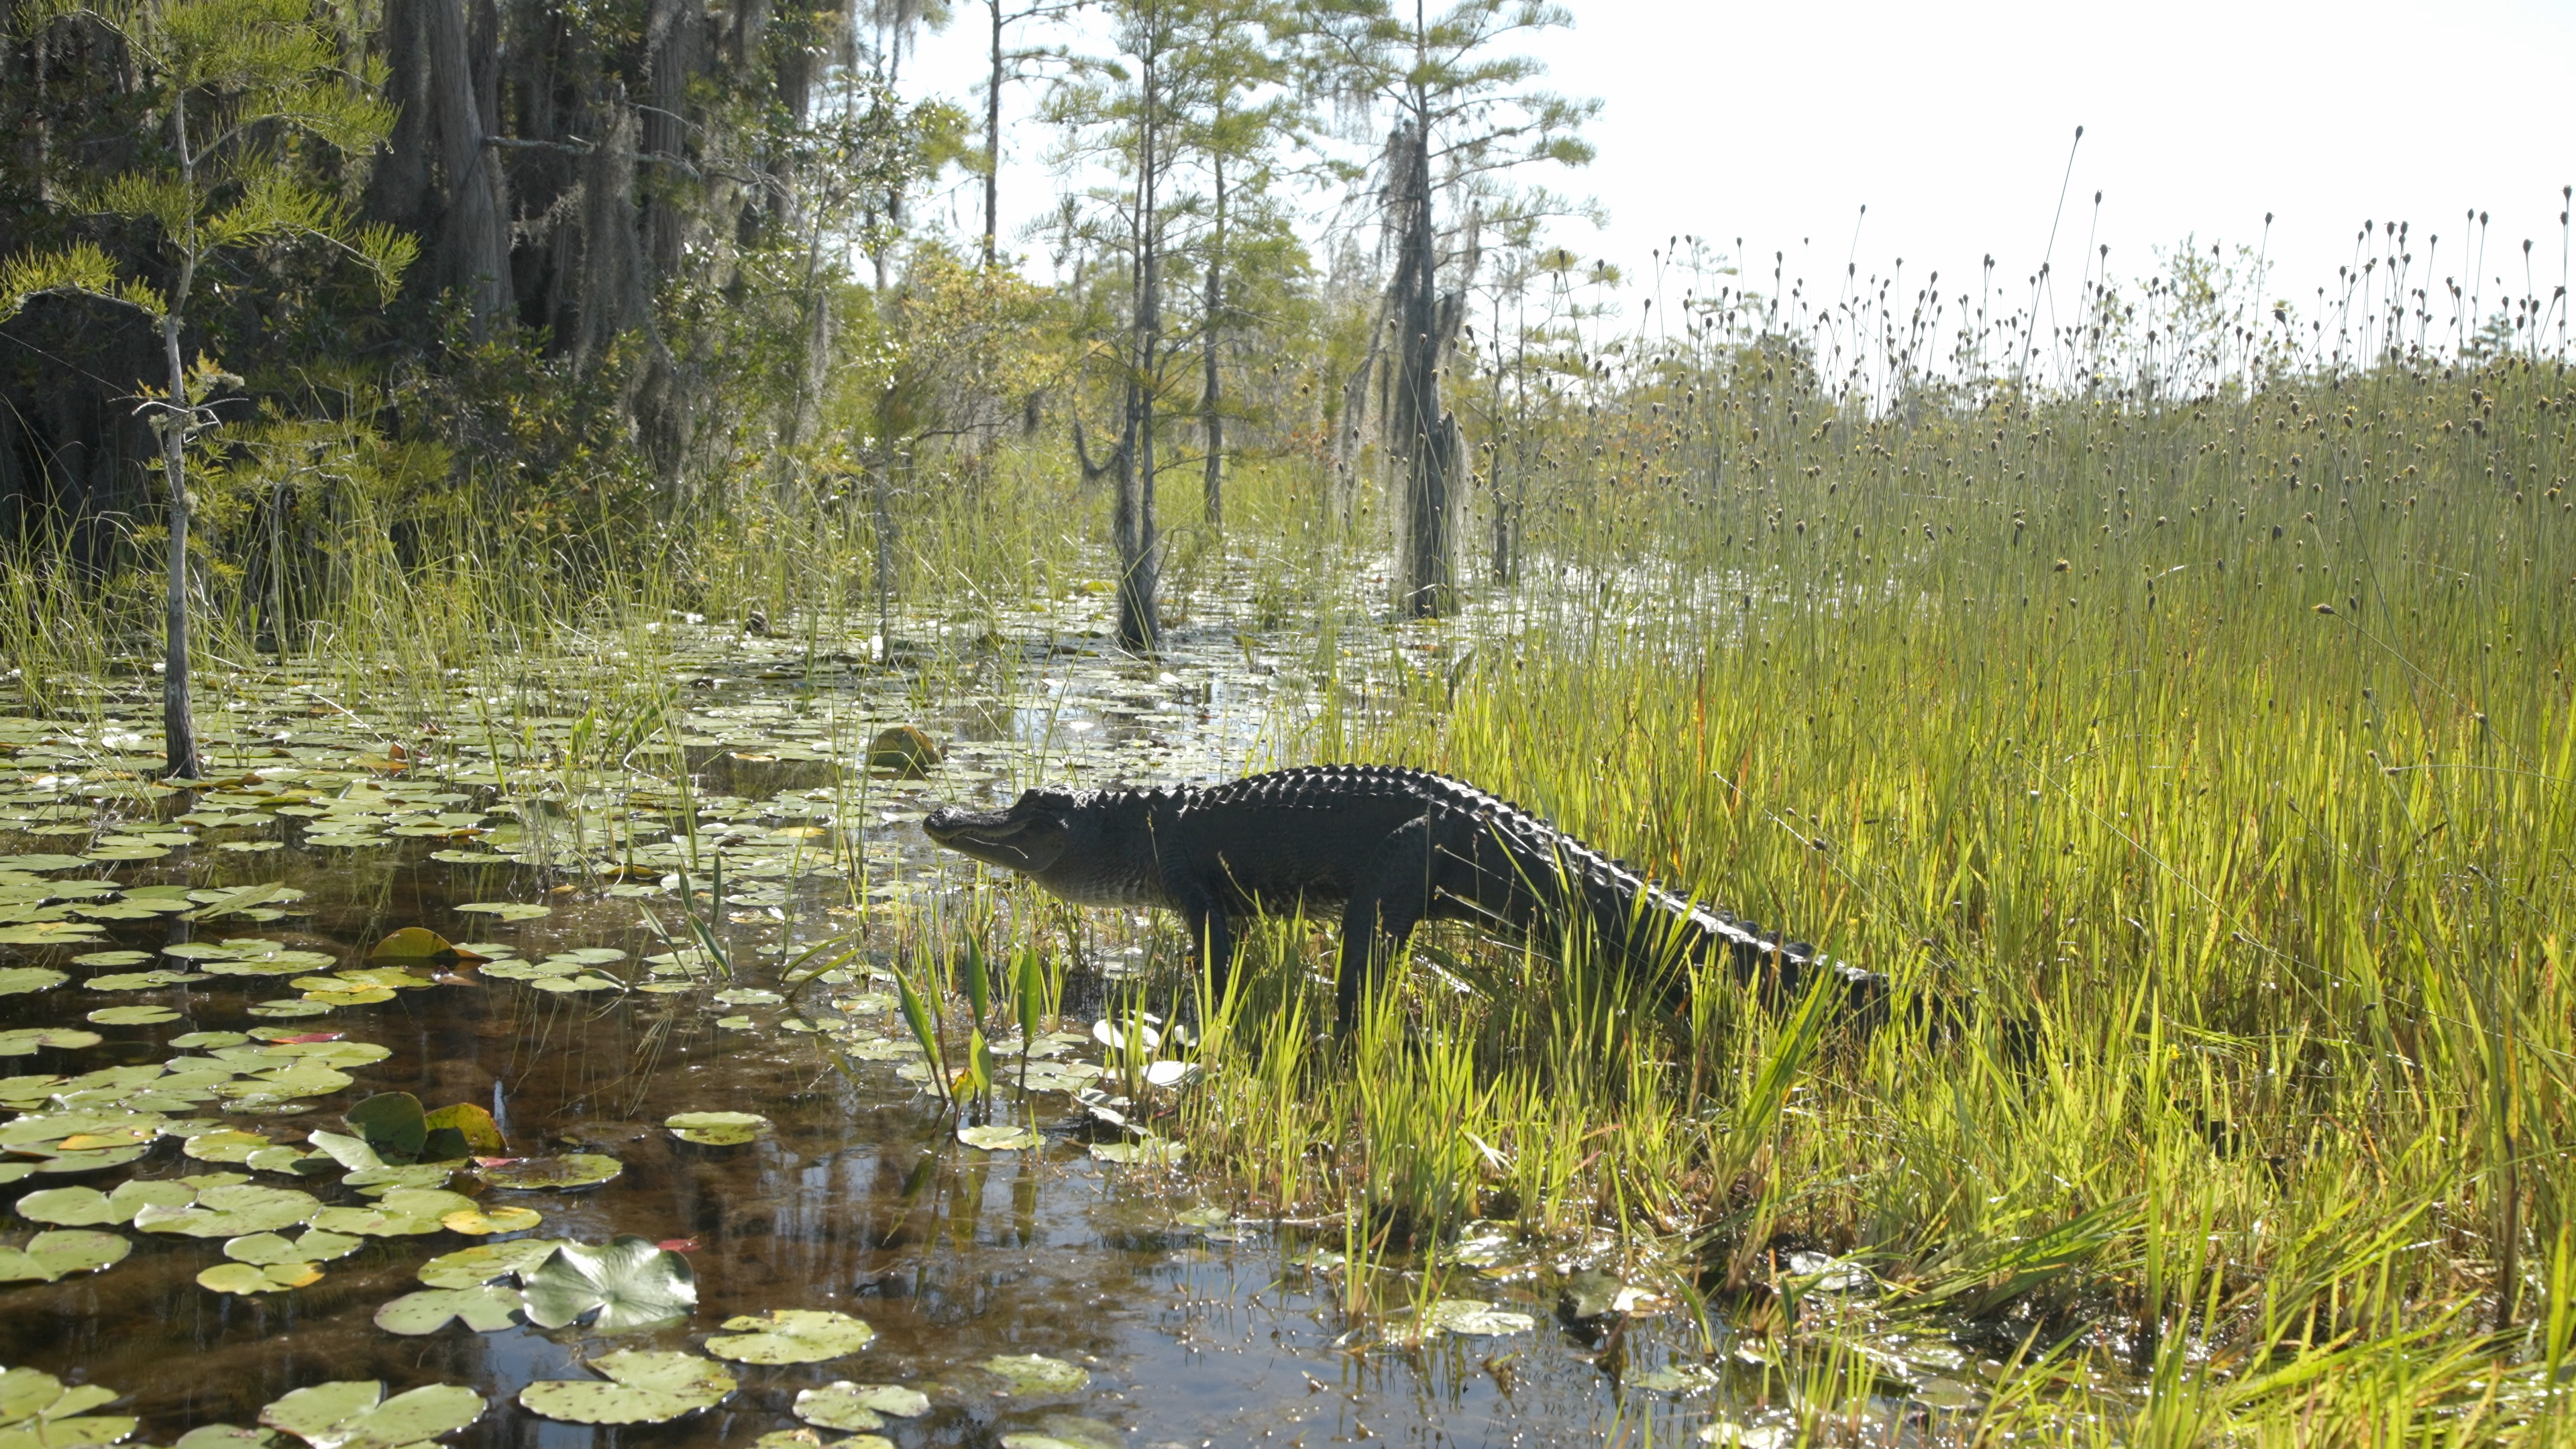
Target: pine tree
[(242, 92)]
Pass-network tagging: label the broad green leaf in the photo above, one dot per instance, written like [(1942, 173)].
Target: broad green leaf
[(15, 980), (314, 1246), (1035, 1373), (349, 1416), (487, 1261), (64, 1251), (25, 1041), (248, 1278), (1000, 1137), (790, 1335), (553, 1174), (231, 1212), (482, 1223), (484, 1308), (718, 1129), (403, 1212), (852, 1406), (630, 1283), (644, 1387)]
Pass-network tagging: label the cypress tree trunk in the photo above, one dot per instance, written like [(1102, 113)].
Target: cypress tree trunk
[(1210, 409), (1420, 432), (178, 722), (476, 241), (1132, 524)]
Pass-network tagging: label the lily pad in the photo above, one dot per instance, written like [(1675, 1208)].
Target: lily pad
[(403, 1212), (1035, 1373), (248, 1278), (232, 1211), (226, 1436), (475, 1130), (552, 1174), (480, 1223), (1472, 1316), (855, 1407), (1150, 1151), (630, 1283), (1068, 1431), (315, 1246), (356, 1415), (718, 1129), (111, 958), (49, 1257), (484, 1308), (392, 1123), (487, 1261), (15, 980), (644, 1387), (226, 1146), (132, 1015), (1000, 1137), (48, 933), (143, 980), (24, 1041), (81, 1207), (37, 1412), (790, 1335), (507, 910), (412, 943)]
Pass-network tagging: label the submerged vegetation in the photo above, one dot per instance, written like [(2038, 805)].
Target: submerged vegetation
[(2173, 702)]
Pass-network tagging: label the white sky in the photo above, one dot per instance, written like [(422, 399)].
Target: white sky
[(1777, 121)]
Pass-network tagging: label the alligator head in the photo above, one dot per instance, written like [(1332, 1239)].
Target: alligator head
[(1073, 842)]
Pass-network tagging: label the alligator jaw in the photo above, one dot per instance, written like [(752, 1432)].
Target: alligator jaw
[(995, 837)]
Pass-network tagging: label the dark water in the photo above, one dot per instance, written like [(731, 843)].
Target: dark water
[(1194, 1329)]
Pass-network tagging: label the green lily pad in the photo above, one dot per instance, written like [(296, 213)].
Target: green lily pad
[(1035, 1373), (143, 980), (1000, 1137), (403, 1212), (37, 1412), (132, 1015), (645, 1387), (111, 958), (1068, 1431), (552, 1174), (356, 1415), (573, 983), (226, 1436), (1473, 1316), (392, 1123), (718, 1129), (51, 1256), (483, 1223), (232, 1212), (48, 933), (15, 980), (225, 1146), (315, 1246), (484, 1308), (855, 1407), (507, 910), (487, 1261), (80, 1207), (24, 1041), (378, 1181), (249, 1278), (1150, 1152), (790, 1335), (630, 1283)]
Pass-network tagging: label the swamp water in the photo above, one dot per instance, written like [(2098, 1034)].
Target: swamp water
[(191, 997)]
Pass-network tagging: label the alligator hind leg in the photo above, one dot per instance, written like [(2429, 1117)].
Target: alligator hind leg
[(1400, 885)]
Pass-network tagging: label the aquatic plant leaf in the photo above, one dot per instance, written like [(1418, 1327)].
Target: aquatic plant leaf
[(226, 1146), (15, 980), (111, 958), (553, 1174), (473, 1126), (507, 910), (629, 1283), (132, 1016), (265, 1249), (645, 1387), (54, 1255), (352, 1153), (1473, 1316), (1000, 1137), (484, 1308), (1149, 1151), (411, 943), (225, 1436), (487, 1261), (403, 1212), (1068, 1431), (142, 980), (232, 1211), (1035, 1373), (850, 1406), (481, 1223), (790, 1335), (718, 1129), (47, 933), (248, 1278), (356, 1415), (392, 1123), (24, 1041)]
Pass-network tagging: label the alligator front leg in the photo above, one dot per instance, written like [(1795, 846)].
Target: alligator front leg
[(1390, 898), (1211, 930)]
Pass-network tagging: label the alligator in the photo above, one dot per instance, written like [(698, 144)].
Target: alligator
[(1391, 847)]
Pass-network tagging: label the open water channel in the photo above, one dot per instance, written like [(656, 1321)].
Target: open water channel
[(192, 998)]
